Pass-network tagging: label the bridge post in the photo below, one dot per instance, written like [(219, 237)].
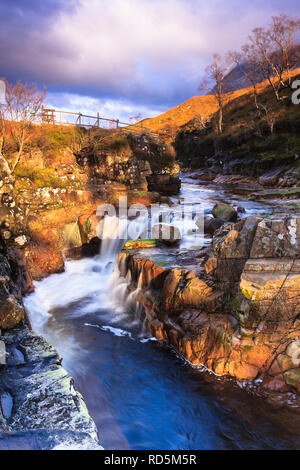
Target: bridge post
[(98, 119)]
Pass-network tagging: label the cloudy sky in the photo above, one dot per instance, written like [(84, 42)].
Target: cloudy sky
[(123, 57)]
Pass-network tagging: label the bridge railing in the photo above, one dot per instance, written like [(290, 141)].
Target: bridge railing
[(68, 118)]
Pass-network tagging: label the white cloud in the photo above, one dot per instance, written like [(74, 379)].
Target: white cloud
[(113, 41), (149, 52)]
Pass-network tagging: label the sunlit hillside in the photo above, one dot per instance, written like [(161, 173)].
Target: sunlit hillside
[(201, 107)]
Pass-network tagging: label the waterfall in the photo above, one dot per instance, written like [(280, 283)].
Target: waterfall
[(88, 285), (113, 237)]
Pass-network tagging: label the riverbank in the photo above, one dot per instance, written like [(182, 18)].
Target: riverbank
[(40, 406)]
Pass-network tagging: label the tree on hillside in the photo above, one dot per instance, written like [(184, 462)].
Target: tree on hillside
[(283, 33), (216, 74), (4, 167), (274, 51), (269, 116), (250, 70), (23, 105), (171, 129)]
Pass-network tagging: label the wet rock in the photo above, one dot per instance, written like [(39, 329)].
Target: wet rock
[(271, 178), (43, 259), (241, 181), (70, 235), (211, 225), (166, 234), (7, 403), (139, 244), (276, 384), (11, 307), (225, 211), (88, 225), (180, 291), (20, 272), (290, 178), (41, 405), (15, 357), (292, 378), (157, 330), (42, 439), (87, 250)]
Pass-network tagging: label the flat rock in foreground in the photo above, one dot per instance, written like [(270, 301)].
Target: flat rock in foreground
[(40, 407)]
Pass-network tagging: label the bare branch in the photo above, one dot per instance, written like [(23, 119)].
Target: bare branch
[(23, 105), (216, 74)]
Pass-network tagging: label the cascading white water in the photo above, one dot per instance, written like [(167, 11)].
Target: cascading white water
[(88, 285)]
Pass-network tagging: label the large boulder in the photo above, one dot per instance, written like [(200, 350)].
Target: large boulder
[(271, 178), (211, 225), (277, 237), (273, 288), (225, 211)]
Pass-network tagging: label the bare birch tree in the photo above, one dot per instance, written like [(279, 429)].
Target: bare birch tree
[(23, 105), (274, 51), (216, 74), (250, 71)]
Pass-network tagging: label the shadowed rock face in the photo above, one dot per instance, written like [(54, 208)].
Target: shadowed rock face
[(164, 184), (238, 314), (11, 306)]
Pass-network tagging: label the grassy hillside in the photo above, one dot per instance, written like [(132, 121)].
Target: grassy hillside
[(192, 109), (241, 123), (246, 133)]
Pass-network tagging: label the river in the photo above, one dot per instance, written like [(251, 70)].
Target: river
[(140, 393)]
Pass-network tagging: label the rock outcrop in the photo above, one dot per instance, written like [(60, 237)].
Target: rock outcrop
[(238, 313), (11, 305), (164, 184), (40, 407)]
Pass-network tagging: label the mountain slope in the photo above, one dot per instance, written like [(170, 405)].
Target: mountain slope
[(204, 106)]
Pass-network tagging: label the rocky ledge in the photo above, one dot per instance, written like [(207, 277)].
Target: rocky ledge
[(39, 405), (235, 309)]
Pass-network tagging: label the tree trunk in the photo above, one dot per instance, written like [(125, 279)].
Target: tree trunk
[(256, 98), (4, 166), (220, 114), (18, 156)]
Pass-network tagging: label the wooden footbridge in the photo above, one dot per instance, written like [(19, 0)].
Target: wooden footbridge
[(68, 118)]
